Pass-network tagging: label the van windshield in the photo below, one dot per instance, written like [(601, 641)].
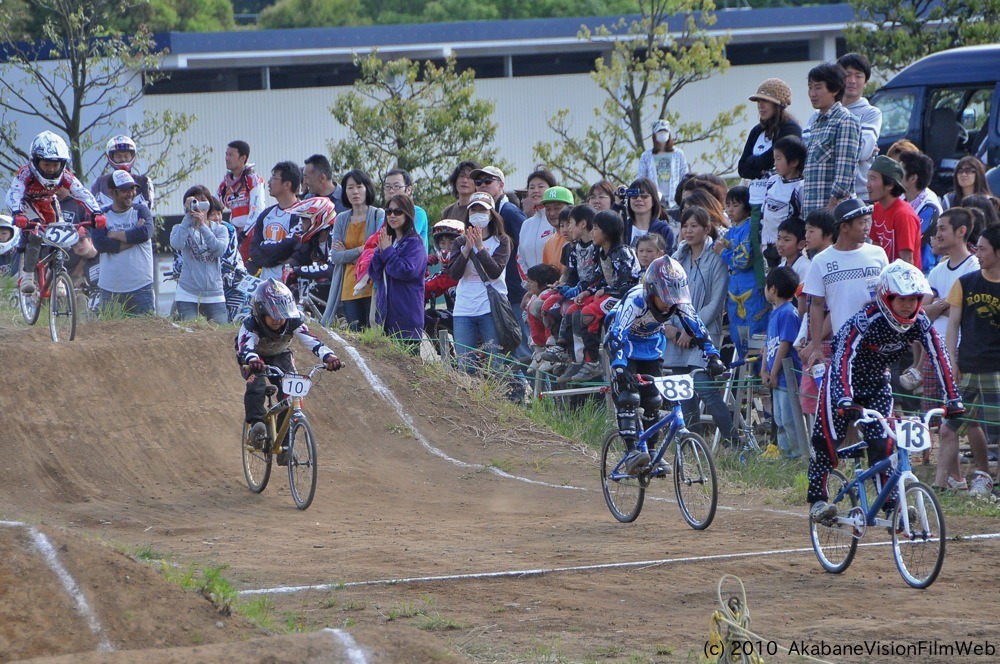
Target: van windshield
[(897, 110)]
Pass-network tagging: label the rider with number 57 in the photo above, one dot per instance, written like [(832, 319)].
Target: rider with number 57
[(635, 343), (869, 342), (266, 338), (32, 191)]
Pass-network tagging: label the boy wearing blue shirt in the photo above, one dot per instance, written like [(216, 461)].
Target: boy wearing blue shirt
[(782, 329)]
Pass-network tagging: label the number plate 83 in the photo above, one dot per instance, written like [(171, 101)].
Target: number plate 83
[(675, 388), (295, 385)]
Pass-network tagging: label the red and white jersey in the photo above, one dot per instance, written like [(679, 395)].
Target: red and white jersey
[(25, 186), (244, 196)]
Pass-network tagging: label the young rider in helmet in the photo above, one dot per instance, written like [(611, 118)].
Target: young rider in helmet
[(10, 238), (442, 283), (867, 344), (636, 341), (31, 194), (121, 154), (265, 337)]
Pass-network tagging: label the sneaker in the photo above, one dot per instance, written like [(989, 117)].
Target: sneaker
[(591, 371), (635, 461), (957, 485), (258, 435), (912, 516), (544, 367), (557, 355), (982, 485), (282, 458), (662, 468), (822, 512), (570, 373), (27, 285)]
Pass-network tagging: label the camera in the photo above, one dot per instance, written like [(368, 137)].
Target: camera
[(624, 192), (197, 206)]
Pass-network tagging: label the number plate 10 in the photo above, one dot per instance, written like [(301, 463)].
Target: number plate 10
[(295, 385), (675, 388)]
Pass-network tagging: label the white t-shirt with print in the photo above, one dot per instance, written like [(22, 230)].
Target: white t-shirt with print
[(942, 278), (847, 279), (470, 294)]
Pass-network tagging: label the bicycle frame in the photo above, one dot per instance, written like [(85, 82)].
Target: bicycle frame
[(673, 421), (901, 473), (289, 403)]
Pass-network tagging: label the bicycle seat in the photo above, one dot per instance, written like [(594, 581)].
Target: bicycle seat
[(270, 390), (855, 451)]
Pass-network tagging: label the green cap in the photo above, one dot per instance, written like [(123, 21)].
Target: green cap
[(558, 195)]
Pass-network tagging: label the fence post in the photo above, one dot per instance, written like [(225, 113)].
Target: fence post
[(792, 381)]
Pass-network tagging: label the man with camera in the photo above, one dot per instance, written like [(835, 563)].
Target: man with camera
[(126, 249)]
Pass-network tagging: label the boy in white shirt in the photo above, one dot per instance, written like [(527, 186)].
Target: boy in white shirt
[(783, 198)]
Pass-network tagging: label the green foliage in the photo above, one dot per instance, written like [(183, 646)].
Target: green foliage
[(311, 13), (179, 15), (419, 11), (894, 34), (648, 66), (586, 424), (80, 77), (418, 117)]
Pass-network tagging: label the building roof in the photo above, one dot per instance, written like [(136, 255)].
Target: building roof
[(304, 45)]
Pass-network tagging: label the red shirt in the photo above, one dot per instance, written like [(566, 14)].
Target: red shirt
[(895, 229)]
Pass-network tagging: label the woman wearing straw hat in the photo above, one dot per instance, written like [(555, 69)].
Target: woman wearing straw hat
[(773, 98)]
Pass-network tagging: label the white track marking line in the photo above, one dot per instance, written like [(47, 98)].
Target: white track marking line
[(280, 590), (354, 652), (72, 589)]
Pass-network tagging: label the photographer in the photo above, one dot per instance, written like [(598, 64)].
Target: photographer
[(642, 214), (201, 244)]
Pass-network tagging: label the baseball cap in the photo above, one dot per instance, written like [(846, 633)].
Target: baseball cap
[(661, 125), (890, 168), (481, 198), (491, 171), (122, 179), (558, 195)]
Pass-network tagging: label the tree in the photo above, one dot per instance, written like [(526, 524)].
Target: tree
[(893, 34), (419, 117), (646, 68), (81, 80), (310, 14), (179, 15)]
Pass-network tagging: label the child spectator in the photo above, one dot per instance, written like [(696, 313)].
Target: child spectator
[(540, 280), (782, 328), (441, 284), (10, 237), (619, 272), (819, 236), (554, 252), (648, 249), (747, 306), (783, 198), (583, 277), (791, 242)]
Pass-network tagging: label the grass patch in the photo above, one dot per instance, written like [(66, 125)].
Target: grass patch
[(146, 552), (505, 464), (586, 424), (787, 477)]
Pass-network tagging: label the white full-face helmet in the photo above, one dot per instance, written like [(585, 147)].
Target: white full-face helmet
[(121, 143), (52, 147), (900, 279)]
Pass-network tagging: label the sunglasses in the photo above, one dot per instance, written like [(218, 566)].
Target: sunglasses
[(965, 171), (393, 212), (487, 180)]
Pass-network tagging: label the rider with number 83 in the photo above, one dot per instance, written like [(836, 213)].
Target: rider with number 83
[(635, 343), (265, 337), (868, 343)]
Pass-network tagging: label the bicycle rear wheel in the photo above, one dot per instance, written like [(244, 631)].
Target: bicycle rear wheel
[(301, 463), (835, 545), (919, 552), (62, 308), (256, 463), (695, 481), (30, 305), (623, 494)]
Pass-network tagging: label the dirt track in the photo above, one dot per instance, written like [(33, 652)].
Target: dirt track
[(138, 445)]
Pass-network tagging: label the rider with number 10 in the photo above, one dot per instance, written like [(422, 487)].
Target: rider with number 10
[(31, 198), (635, 342), (872, 340)]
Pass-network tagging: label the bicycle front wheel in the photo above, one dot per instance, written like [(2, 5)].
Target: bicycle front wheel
[(695, 481), (62, 308), (256, 463), (30, 305), (623, 494), (301, 463), (919, 551), (835, 544)]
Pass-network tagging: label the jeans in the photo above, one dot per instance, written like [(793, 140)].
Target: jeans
[(136, 303), (784, 420), (708, 390), (472, 332), (215, 312), (357, 312)]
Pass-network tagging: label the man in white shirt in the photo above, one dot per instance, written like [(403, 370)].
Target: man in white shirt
[(842, 277)]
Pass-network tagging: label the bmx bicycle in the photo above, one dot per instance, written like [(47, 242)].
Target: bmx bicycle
[(916, 524), (695, 482), (54, 282), (288, 433)]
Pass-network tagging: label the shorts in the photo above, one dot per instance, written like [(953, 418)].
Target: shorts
[(808, 394), (981, 397)]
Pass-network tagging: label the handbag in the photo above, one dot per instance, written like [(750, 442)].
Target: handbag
[(507, 325)]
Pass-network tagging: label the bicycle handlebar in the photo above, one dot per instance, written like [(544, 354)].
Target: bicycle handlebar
[(868, 416)]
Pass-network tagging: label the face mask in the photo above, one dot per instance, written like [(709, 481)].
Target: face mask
[(662, 136), (480, 219)]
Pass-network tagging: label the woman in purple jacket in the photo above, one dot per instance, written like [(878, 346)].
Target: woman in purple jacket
[(397, 271)]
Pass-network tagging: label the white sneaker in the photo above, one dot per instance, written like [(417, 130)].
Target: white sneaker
[(591, 371), (958, 485), (982, 484)]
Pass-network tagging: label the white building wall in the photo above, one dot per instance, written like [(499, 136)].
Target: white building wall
[(292, 124)]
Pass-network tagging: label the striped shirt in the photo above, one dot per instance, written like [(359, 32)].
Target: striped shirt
[(832, 159)]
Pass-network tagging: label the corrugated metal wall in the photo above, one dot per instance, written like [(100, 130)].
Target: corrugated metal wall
[(292, 124)]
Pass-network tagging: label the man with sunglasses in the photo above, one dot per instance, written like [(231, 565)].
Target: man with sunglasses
[(490, 180)]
